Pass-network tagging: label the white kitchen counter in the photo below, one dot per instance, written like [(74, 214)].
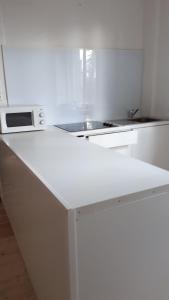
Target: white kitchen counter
[(98, 225), (79, 173)]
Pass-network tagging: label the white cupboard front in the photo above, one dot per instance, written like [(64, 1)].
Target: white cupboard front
[(118, 141), (153, 146)]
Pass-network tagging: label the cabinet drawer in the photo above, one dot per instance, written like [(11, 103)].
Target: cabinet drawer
[(112, 140)]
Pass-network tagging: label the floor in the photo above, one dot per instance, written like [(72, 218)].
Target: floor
[(14, 281)]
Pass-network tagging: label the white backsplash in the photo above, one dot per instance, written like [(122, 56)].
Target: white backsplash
[(75, 84)]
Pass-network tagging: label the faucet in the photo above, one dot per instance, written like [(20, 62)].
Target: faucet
[(132, 112)]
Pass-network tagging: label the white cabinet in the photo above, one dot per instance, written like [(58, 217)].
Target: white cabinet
[(118, 141), (3, 97), (153, 146), (150, 144)]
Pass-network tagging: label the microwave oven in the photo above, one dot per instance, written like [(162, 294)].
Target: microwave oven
[(21, 118)]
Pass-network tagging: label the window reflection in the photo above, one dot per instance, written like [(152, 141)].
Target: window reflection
[(88, 80)]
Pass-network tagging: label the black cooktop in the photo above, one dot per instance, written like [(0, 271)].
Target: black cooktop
[(85, 126)]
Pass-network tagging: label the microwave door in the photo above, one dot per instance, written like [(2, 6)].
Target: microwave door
[(19, 119)]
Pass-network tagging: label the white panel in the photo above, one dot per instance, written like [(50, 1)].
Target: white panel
[(115, 139), (75, 84), (123, 251), (40, 225)]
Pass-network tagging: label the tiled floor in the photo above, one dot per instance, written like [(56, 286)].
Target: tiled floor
[(14, 281)]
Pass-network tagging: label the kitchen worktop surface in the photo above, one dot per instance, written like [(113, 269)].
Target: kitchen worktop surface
[(79, 173)]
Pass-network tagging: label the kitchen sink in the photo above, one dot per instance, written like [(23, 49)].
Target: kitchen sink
[(124, 122), (145, 120), (135, 121)]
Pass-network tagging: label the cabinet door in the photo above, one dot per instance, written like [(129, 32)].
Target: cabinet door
[(153, 146), (114, 140), (125, 150), (3, 98)]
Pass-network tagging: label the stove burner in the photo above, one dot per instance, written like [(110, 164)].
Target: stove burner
[(85, 126), (109, 124)]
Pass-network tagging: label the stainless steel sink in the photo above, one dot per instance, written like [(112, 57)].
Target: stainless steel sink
[(145, 120), (126, 122)]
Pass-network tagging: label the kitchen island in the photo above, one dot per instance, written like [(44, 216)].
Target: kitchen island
[(91, 224)]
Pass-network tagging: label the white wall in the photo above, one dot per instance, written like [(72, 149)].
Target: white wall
[(73, 23), (150, 43), (124, 24), (3, 96), (156, 58), (161, 102), (54, 77)]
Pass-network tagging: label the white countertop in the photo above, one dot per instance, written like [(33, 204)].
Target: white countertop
[(79, 173)]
